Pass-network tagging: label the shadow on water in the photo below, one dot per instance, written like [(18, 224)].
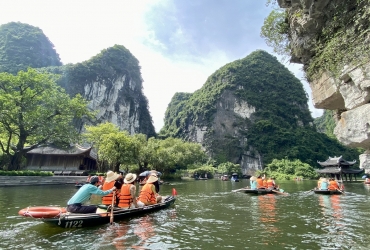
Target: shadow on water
[(207, 215)]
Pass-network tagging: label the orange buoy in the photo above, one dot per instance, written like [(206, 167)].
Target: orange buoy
[(42, 212)]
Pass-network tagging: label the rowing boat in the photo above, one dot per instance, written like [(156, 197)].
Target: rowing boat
[(73, 220), (327, 191), (260, 191)]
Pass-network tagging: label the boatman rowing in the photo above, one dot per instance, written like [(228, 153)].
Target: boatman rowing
[(74, 205)]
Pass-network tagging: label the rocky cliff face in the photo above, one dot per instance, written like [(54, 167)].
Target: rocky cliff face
[(344, 84), (238, 112), (111, 82)]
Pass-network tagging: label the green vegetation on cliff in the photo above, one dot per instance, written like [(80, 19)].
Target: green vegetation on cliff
[(281, 126), (23, 46)]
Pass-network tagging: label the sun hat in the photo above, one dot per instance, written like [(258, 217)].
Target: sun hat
[(94, 179), (152, 179), (253, 178), (111, 176), (129, 178)]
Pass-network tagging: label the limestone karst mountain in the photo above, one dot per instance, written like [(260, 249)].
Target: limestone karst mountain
[(250, 111)]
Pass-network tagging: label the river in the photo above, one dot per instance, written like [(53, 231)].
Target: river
[(206, 215)]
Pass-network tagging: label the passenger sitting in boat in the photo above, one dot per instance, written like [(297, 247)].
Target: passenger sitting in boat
[(333, 184), (74, 205), (253, 181), (148, 194), (127, 198), (264, 182), (110, 182), (319, 183), (324, 184), (259, 182), (270, 183)]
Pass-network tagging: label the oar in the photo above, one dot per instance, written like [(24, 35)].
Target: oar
[(340, 191), (308, 191), (240, 189), (275, 191), (111, 211)]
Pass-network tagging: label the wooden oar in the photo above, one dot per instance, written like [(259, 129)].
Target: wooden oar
[(240, 189), (275, 191), (340, 191), (111, 211), (308, 191)]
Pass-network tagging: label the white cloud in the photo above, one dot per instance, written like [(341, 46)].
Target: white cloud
[(81, 29)]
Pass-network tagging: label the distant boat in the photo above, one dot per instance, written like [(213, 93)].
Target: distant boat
[(234, 177), (225, 177)]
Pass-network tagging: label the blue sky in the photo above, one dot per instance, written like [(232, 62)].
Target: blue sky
[(178, 43)]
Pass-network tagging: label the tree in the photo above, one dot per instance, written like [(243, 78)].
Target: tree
[(117, 148), (94, 135), (35, 111)]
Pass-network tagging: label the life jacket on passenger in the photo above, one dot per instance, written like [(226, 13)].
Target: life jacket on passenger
[(125, 199), (264, 183), (147, 196), (107, 199), (333, 185), (270, 183), (259, 183)]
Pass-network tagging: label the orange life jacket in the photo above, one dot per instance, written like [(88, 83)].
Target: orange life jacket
[(147, 196), (270, 183), (333, 185), (264, 183), (107, 199), (259, 183), (125, 198)]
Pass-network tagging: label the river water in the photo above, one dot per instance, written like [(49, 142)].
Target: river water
[(206, 215)]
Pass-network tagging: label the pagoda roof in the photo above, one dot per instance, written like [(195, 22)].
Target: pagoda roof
[(336, 170), (72, 150), (336, 161)]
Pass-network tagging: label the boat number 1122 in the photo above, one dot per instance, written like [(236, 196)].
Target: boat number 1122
[(74, 223)]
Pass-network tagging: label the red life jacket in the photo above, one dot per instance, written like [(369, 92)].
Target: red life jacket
[(270, 183), (259, 183), (125, 198)]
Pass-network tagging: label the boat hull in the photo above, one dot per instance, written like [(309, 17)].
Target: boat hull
[(260, 191), (327, 192), (73, 220)]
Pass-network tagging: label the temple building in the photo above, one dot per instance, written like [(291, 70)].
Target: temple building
[(337, 167), (71, 160)]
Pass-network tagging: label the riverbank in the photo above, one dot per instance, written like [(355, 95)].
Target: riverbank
[(39, 180)]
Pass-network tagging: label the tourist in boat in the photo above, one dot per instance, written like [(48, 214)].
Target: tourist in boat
[(148, 194), (127, 198), (88, 179), (333, 184), (253, 181), (270, 183), (110, 182), (324, 184), (264, 182), (260, 182), (74, 205), (319, 183)]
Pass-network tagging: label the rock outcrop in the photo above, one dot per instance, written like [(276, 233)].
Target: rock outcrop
[(112, 83), (345, 85)]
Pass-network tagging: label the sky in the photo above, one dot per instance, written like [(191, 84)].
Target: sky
[(179, 43)]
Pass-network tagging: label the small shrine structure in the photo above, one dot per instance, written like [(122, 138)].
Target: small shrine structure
[(337, 167)]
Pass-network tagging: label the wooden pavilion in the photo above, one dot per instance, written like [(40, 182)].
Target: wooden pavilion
[(337, 167), (61, 161)]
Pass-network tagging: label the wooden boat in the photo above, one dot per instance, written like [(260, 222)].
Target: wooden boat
[(327, 191), (79, 184), (73, 220), (260, 191)]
